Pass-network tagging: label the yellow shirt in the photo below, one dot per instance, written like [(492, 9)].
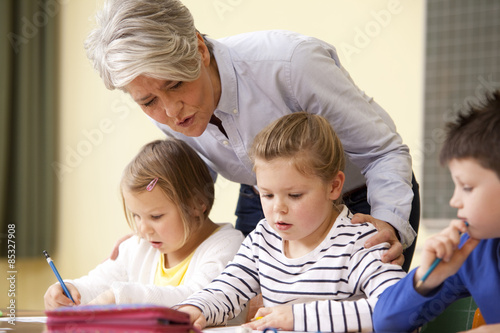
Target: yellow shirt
[(171, 276)]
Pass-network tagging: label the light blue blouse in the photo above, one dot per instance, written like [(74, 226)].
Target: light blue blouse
[(267, 74)]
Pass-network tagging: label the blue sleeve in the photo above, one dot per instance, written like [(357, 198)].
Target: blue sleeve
[(401, 308)]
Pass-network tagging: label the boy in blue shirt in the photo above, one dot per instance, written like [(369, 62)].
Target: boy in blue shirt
[(470, 263)]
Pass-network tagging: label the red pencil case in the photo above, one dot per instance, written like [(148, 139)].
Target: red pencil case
[(119, 318)]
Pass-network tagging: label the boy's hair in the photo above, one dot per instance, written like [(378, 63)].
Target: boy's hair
[(307, 139), (476, 134), (182, 176), (144, 37)]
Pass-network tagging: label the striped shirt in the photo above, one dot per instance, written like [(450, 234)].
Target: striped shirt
[(333, 288)]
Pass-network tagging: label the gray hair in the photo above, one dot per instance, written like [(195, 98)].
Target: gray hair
[(155, 38)]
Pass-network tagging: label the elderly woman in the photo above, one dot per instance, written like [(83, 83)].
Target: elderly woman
[(218, 94)]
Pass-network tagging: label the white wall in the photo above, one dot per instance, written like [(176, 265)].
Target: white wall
[(379, 41)]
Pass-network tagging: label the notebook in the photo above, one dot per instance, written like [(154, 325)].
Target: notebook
[(118, 318)]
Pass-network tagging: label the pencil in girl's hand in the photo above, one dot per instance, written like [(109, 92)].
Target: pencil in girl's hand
[(54, 269)]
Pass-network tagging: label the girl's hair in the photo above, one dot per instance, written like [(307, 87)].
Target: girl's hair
[(155, 38), (476, 134), (308, 140), (182, 176)]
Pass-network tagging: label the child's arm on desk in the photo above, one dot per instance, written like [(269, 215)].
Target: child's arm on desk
[(197, 318), (107, 297), (277, 316)]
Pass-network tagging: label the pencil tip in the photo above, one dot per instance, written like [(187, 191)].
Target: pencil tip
[(419, 284)]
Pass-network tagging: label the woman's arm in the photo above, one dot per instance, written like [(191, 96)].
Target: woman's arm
[(320, 85)]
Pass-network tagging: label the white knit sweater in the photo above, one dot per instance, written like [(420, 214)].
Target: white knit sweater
[(131, 275)]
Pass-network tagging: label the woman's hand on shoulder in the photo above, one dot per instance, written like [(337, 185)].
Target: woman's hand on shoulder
[(114, 251), (386, 233)]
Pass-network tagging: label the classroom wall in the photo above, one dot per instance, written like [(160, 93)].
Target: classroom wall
[(380, 42)]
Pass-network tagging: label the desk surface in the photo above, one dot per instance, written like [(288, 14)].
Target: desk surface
[(31, 324), (25, 321), (34, 321)]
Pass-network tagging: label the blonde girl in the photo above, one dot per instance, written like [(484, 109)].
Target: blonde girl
[(167, 194), (305, 257)]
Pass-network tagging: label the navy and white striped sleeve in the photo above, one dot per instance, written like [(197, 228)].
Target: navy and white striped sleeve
[(226, 296), (366, 277)]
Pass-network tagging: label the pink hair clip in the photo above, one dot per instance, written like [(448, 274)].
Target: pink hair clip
[(152, 184)]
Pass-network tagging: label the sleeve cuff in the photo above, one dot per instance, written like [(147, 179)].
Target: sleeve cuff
[(406, 233), (120, 295)]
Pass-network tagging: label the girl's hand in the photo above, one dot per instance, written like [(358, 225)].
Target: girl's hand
[(54, 296), (197, 318), (280, 317), (107, 297), (445, 246)]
